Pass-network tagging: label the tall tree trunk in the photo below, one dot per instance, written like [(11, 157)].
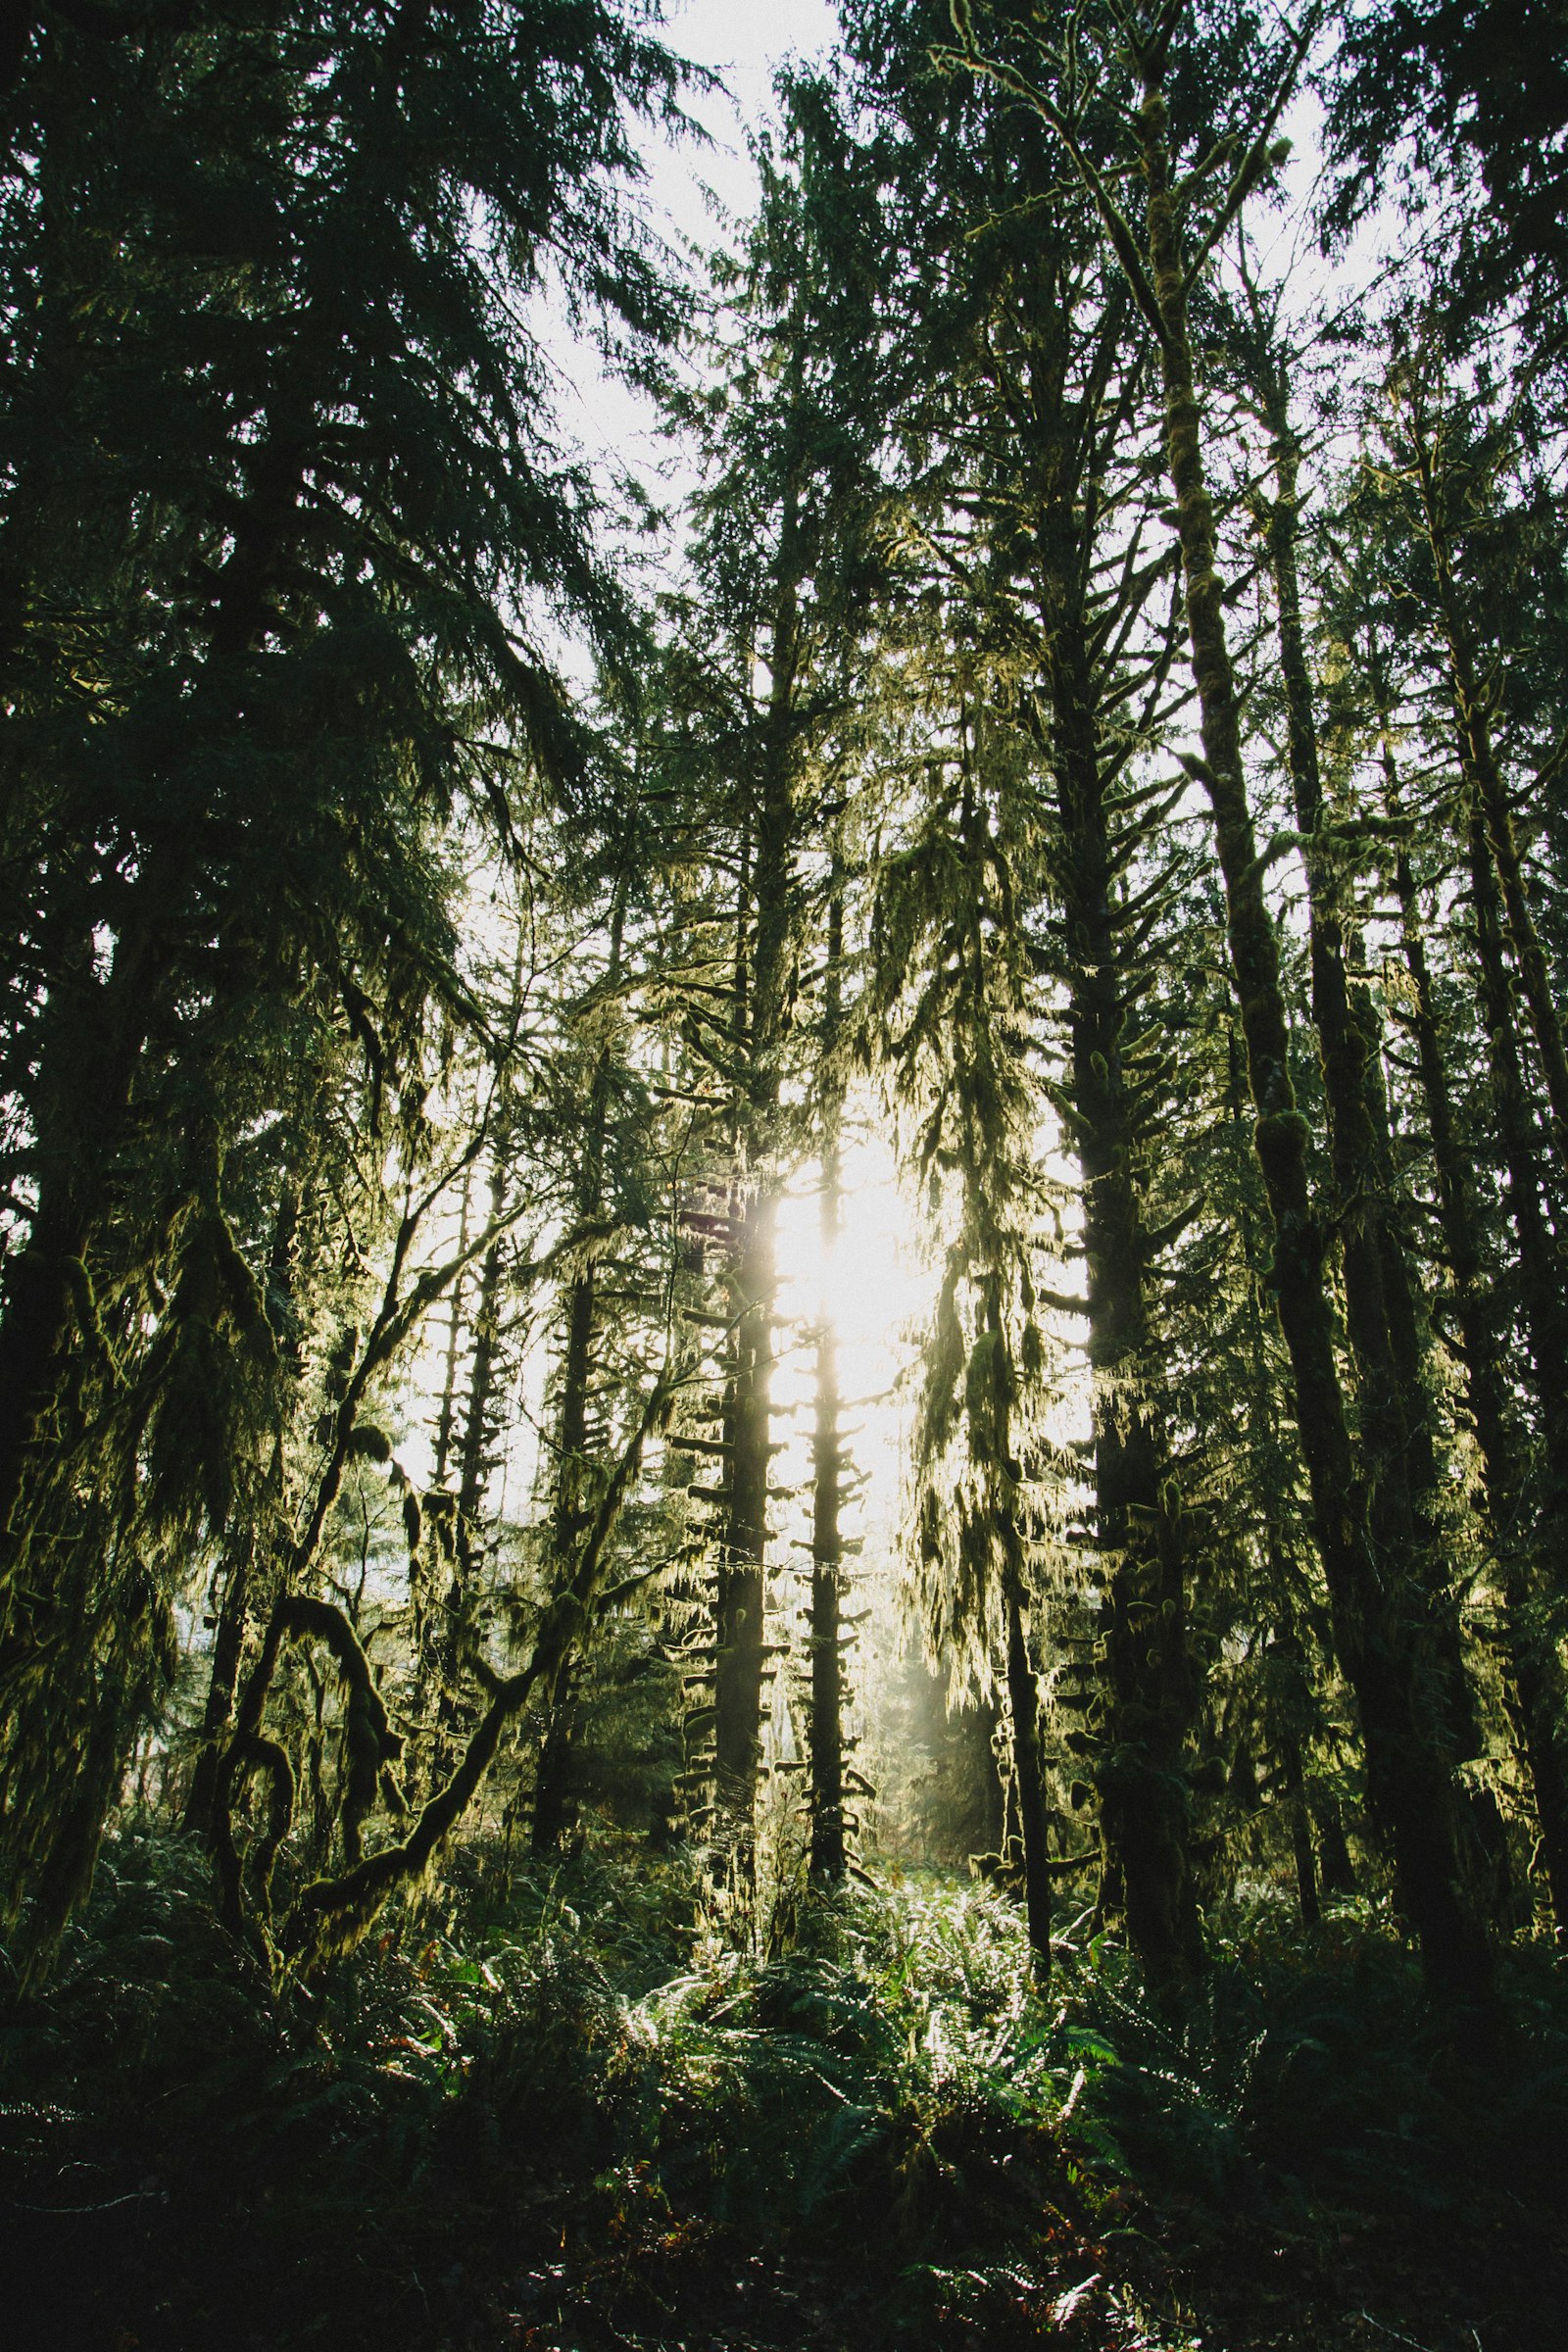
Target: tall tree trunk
[(1347, 1053), (470, 1431), (1149, 1689), (743, 1562), (829, 1859), (570, 1513), (242, 1605), (446, 1420), (475, 1456), (1392, 1385), (551, 1800), (760, 1021), (1029, 1784), (1290, 1708), (1543, 1311), (1409, 1784), (1289, 1663), (1534, 1670)]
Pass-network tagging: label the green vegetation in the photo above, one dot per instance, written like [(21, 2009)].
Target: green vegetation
[(783, 1248), (558, 2120)]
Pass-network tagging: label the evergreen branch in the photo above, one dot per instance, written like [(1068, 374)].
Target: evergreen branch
[(968, 57), (1260, 156), (1061, 1303)]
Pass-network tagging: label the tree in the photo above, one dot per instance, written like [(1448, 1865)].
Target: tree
[(767, 666), (281, 522), (1183, 224), (1469, 93)]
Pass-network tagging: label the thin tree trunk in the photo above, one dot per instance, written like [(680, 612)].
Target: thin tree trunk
[(760, 1021), (1289, 1700), (570, 1514), (830, 1859), (1029, 1787), (469, 1429), (741, 1581), (1293, 1778), (475, 1458), (551, 1802), (446, 1414)]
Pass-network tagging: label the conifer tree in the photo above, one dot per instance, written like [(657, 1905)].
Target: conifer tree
[(1186, 215), (281, 527), (789, 475), (829, 1859), (950, 994), (1024, 413)]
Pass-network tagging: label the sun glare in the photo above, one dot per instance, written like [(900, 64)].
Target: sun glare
[(872, 1286)]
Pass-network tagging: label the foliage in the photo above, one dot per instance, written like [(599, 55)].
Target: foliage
[(1101, 728), (569, 2121)]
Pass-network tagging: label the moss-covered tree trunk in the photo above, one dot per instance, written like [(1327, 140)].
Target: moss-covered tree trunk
[(743, 1559), (1029, 1783), (1409, 1782), (760, 1023), (1292, 1710), (80, 1101), (1346, 1054), (247, 1595), (570, 1515), (1542, 1307), (1149, 1685), (455, 1609), (234, 1616), (829, 1845), (1534, 1667), (571, 1511), (446, 1418), (1392, 1384)]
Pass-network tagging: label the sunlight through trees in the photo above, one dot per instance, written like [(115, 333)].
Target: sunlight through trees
[(822, 1136)]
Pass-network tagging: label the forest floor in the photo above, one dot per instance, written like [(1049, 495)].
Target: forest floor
[(565, 2122)]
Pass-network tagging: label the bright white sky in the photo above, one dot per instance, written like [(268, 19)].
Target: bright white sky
[(745, 41)]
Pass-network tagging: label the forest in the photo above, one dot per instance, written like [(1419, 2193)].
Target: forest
[(784, 1253)]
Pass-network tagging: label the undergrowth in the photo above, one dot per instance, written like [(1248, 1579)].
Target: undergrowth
[(568, 2121)]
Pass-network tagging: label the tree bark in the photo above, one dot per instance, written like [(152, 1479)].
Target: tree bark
[(1150, 1687), (830, 1857), (1408, 1784), (1392, 1385), (1534, 1670), (570, 1514), (1029, 1787), (762, 1019)]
